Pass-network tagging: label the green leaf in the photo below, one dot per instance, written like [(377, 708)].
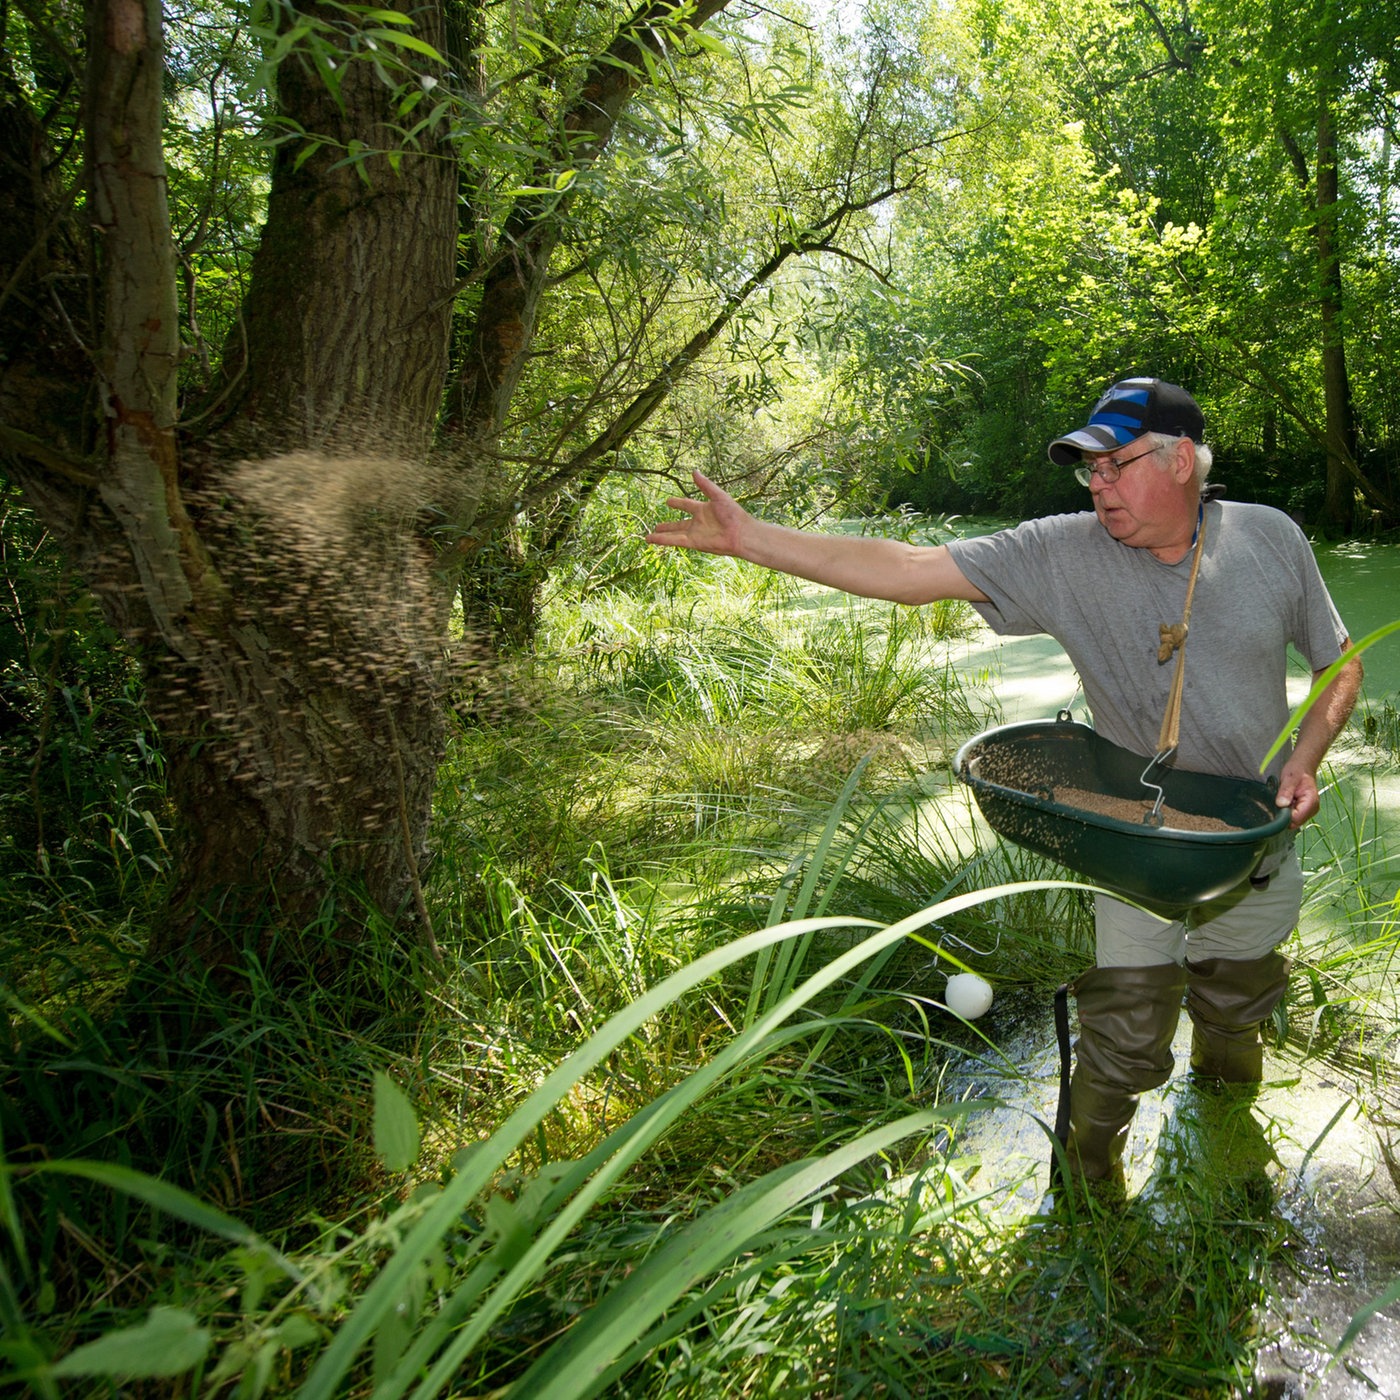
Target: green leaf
[(390, 1341), (287, 42), (405, 41), (165, 1197), (305, 154), (297, 1330), (9, 1215), (169, 1342), (1391, 1295), (396, 1137), (1323, 681), (632, 1139), (577, 1366)]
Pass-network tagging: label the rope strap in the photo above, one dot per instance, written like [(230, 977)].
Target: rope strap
[(1173, 639)]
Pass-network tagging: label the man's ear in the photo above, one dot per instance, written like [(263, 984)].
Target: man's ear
[(1184, 461)]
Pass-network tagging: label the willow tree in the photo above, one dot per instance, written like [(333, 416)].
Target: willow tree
[(279, 523), (1199, 191), (1303, 94)]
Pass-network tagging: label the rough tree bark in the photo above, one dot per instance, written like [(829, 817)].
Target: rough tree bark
[(276, 561)]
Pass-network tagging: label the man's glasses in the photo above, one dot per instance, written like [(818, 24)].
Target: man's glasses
[(1107, 470)]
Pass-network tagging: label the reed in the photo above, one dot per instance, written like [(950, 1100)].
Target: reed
[(681, 1111)]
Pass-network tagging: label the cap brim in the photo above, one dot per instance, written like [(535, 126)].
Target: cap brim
[(1067, 450)]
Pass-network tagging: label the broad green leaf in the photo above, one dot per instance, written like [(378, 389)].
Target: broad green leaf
[(391, 1340), (298, 1330), (168, 1343), (396, 1136)]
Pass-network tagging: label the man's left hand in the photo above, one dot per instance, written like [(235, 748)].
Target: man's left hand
[(1297, 789)]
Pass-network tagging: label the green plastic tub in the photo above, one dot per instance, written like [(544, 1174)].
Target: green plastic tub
[(1020, 774)]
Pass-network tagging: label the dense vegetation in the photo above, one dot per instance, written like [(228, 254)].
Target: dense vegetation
[(360, 766), (406, 1167)]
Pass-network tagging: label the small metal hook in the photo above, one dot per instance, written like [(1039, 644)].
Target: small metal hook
[(1154, 817)]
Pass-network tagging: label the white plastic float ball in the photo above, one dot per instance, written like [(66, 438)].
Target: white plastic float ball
[(968, 995)]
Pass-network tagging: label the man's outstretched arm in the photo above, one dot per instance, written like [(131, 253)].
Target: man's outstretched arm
[(870, 568)]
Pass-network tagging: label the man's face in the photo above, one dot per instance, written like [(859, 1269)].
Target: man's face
[(1142, 505)]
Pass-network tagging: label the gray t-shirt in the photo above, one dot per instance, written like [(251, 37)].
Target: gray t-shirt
[(1259, 590)]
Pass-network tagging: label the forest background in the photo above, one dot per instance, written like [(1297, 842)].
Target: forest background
[(345, 351)]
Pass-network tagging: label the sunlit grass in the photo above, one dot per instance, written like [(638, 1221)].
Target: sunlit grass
[(677, 771)]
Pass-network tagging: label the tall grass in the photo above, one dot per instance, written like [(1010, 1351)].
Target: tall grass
[(674, 1115)]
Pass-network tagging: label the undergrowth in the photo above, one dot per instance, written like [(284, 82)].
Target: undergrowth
[(680, 1112)]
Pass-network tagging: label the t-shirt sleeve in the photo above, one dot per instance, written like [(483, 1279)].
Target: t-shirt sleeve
[(1319, 633), (1020, 570)]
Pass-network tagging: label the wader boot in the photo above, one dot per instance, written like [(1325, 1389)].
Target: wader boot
[(1228, 1001), (1127, 1018)]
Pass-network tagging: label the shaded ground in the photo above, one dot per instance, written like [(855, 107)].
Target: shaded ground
[(1325, 1229)]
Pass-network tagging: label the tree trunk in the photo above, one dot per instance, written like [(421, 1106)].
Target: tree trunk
[(304, 729), (1345, 482), (1339, 508), (343, 345), (504, 326), (284, 560), (276, 575)]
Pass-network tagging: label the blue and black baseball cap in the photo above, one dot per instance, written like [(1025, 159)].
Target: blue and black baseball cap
[(1129, 409)]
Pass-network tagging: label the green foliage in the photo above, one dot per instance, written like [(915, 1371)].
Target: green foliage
[(80, 768), (1381, 726), (619, 1142), (711, 713), (1141, 202), (525, 1224), (724, 1190)]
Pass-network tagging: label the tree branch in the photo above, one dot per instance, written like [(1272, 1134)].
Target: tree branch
[(24, 444), (505, 322)]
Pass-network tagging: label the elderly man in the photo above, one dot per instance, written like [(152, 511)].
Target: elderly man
[(1100, 583)]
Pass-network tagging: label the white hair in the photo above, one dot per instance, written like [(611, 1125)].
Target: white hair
[(1165, 442)]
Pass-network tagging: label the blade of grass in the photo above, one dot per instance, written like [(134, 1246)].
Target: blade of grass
[(1323, 681), (486, 1160), (577, 1367), (769, 984), (384, 1294), (164, 1197)]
